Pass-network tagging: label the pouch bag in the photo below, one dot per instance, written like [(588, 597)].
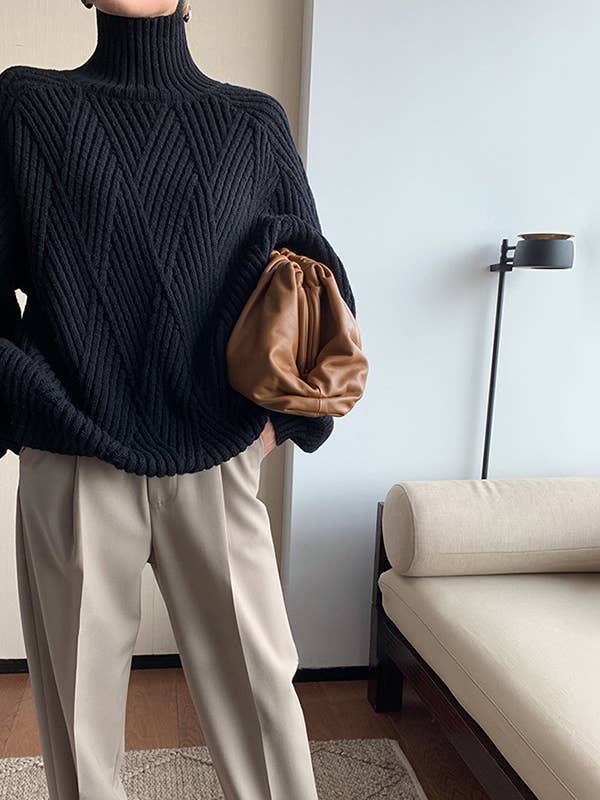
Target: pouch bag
[(296, 346)]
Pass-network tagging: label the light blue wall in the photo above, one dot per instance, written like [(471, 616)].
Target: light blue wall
[(436, 129)]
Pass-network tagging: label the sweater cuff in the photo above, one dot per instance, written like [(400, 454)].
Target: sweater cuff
[(309, 433)]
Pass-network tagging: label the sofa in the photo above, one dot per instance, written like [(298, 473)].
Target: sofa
[(486, 596)]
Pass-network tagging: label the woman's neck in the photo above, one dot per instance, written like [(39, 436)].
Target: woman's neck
[(142, 53)]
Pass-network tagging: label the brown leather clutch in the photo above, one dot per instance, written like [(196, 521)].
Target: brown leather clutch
[(296, 346)]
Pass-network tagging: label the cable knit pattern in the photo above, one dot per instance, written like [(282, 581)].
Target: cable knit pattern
[(140, 200)]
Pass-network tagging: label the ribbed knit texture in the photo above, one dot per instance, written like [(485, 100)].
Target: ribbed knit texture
[(140, 200)]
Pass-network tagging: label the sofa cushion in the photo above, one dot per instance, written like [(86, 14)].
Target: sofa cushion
[(468, 527), (521, 653)]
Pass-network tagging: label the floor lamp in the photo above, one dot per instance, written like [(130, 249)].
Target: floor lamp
[(533, 251)]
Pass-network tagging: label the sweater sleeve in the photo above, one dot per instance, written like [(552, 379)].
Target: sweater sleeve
[(290, 219), (291, 201), (11, 248), (10, 312)]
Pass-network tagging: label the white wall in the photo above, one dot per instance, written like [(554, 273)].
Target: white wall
[(435, 130)]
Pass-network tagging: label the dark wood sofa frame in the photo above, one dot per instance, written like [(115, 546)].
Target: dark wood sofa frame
[(392, 659)]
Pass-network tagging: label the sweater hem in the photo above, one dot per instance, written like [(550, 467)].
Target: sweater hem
[(146, 464)]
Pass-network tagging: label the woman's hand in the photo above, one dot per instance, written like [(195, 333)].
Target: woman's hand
[(268, 438)]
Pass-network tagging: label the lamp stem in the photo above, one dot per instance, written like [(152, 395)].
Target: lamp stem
[(501, 269)]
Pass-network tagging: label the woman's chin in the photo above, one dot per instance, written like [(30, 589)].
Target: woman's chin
[(137, 8)]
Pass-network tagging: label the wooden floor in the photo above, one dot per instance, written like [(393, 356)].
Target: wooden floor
[(160, 714)]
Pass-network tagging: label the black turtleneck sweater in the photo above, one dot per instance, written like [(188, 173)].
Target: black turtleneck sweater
[(140, 200)]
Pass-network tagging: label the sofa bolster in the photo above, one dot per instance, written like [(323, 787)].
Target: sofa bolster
[(477, 527)]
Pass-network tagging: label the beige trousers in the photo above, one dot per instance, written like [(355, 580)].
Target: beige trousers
[(85, 530)]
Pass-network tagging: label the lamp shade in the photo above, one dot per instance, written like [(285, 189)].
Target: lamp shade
[(544, 251)]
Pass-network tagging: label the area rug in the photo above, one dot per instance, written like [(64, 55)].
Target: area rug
[(345, 769)]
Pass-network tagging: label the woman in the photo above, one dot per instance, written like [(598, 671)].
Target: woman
[(139, 201)]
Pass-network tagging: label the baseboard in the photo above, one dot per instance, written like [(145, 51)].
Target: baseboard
[(15, 666)]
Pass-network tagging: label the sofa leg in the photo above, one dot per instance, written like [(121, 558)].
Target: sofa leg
[(385, 686), (384, 690)]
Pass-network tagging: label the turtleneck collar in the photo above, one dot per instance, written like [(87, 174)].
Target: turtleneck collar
[(140, 54)]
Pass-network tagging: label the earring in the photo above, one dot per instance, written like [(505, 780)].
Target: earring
[(187, 12)]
